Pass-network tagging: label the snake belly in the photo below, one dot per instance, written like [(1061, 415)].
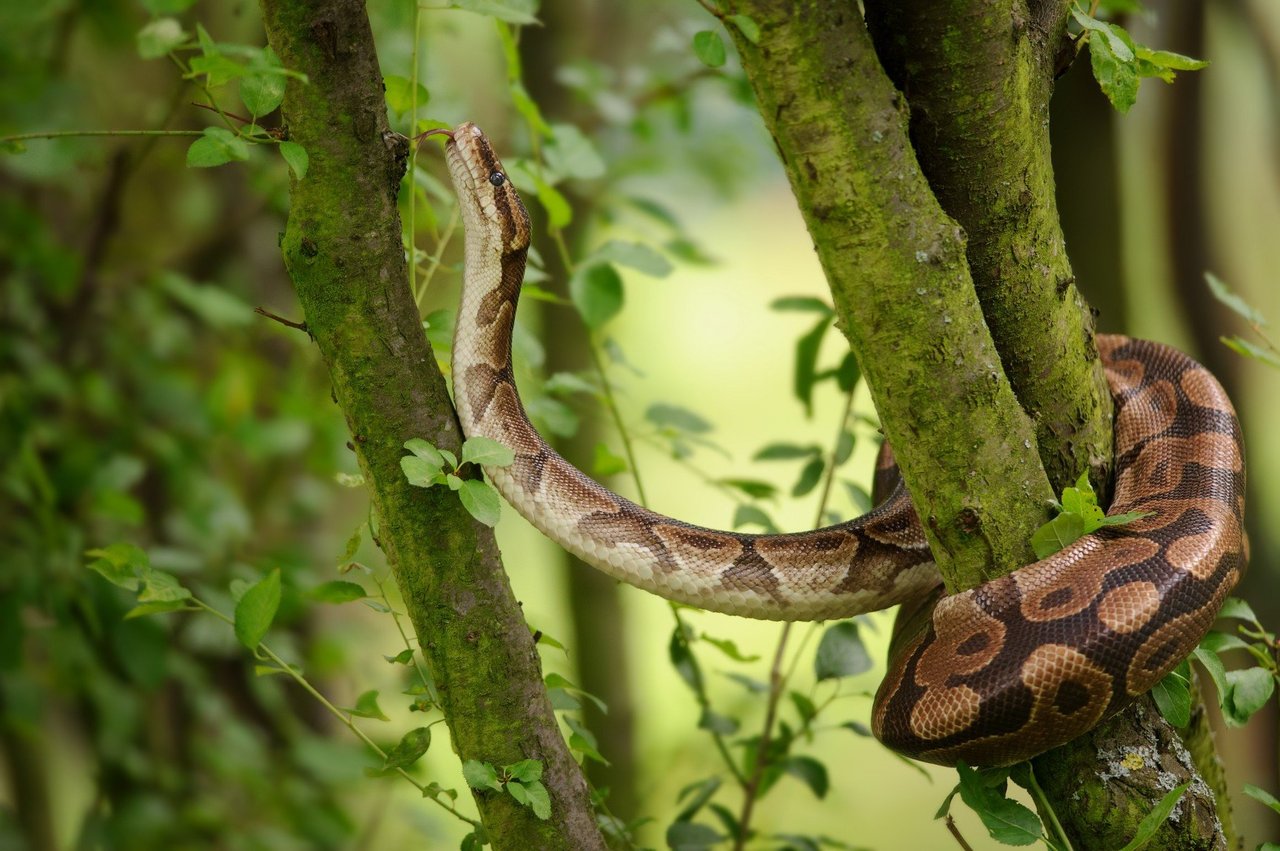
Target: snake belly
[(991, 676)]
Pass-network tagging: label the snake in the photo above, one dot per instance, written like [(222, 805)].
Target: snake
[(989, 676)]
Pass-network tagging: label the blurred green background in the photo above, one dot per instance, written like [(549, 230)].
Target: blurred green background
[(142, 400)]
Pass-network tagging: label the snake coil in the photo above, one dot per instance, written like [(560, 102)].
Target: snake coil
[(993, 675)]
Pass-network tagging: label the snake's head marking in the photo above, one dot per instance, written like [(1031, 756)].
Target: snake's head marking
[(488, 199)]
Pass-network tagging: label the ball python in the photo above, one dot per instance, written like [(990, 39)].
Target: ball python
[(991, 676)]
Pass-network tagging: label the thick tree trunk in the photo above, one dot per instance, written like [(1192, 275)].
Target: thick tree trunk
[(342, 247), (899, 270)]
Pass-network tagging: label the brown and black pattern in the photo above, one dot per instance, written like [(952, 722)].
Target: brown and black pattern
[(992, 675)]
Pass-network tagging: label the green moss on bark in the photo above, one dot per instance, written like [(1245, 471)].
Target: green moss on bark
[(898, 273), (343, 251)]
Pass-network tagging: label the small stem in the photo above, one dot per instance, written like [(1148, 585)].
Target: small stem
[(776, 683), (288, 323), (955, 831), (66, 134), (435, 258), (710, 7), (1046, 808), (829, 479), (343, 717), (413, 156)]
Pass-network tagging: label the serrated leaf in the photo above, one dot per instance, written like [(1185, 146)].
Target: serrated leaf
[(262, 93), (526, 770), (747, 26), (481, 501), (1151, 821), (296, 157), (159, 37), (596, 291), (1173, 698), (409, 749), (1057, 534), (337, 591), (217, 146), (367, 707), (257, 609), (400, 90), (634, 255), (1250, 689), (1008, 822), (420, 472), (481, 775), (709, 48), (1117, 75), (487, 452), (841, 652)]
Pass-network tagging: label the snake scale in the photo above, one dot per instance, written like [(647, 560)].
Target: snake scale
[(991, 676)]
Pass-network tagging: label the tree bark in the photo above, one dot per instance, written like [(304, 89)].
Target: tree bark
[(342, 247), (979, 75)]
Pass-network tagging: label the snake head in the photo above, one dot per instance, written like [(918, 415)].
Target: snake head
[(485, 193)]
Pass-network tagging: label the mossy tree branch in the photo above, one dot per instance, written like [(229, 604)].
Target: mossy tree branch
[(918, 328), (342, 247)]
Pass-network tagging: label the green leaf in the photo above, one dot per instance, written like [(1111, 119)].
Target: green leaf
[(811, 772), (159, 37), (1262, 796), (715, 722), (532, 795), (1224, 294), (1116, 73), (367, 707), (729, 648), (1057, 534), (217, 146), (841, 653), (1237, 609), (1151, 821), (214, 305), (1008, 822), (676, 418), (810, 475), (581, 740), (682, 659), (803, 304), (425, 450), (1250, 689), (702, 792), (337, 591), (858, 496), (596, 292), (297, 158), (399, 92), (481, 775), (404, 657), (257, 609), (747, 26), (511, 11), (1241, 346), (409, 749), (572, 154), (526, 770), (559, 213), (709, 48), (634, 255), (804, 707), (806, 366), (744, 515), (1173, 698), (605, 463), (481, 501), (691, 836), (262, 93), (753, 488), (1212, 664), (122, 564), (420, 472), (486, 451), (786, 452)]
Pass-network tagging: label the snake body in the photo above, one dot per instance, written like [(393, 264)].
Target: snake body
[(990, 676)]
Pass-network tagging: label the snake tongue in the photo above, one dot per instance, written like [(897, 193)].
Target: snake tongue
[(437, 131)]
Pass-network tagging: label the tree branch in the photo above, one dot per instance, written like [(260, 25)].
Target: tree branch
[(342, 247)]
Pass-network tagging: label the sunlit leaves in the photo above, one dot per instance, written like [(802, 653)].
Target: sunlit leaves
[(262, 93), (1008, 822), (596, 291), (1119, 63), (1173, 696), (1079, 515), (429, 466), (708, 46), (296, 157)]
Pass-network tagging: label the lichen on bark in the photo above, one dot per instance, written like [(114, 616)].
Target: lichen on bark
[(342, 247)]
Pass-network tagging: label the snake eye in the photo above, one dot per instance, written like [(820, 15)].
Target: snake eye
[(497, 178)]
